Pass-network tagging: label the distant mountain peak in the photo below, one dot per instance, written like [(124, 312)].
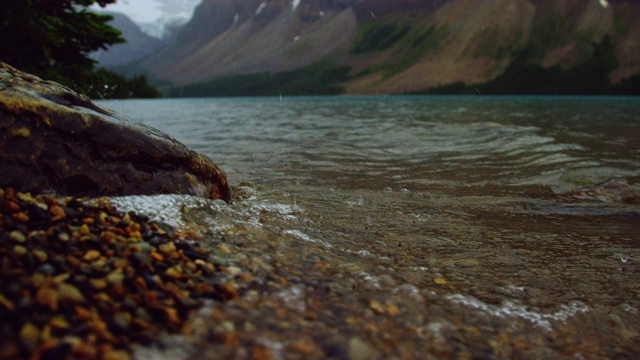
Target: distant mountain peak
[(138, 45), (294, 5)]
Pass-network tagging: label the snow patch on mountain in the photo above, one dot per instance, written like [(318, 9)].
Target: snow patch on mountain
[(295, 4), (261, 7), (159, 27)]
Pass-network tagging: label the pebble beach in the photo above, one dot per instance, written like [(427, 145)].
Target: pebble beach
[(81, 280)]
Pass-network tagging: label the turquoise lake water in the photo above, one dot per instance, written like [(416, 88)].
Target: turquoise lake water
[(487, 212)]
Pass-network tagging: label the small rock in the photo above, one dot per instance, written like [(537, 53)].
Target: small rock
[(122, 320), (57, 212), (20, 250), (84, 230), (30, 335), (40, 255), (17, 236), (113, 354), (98, 284), (91, 255), (360, 349), (440, 281), (376, 306), (69, 292), (168, 248), (115, 277)]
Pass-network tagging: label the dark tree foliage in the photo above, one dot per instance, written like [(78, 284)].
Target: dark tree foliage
[(54, 38), (105, 84), (374, 36), (320, 78)]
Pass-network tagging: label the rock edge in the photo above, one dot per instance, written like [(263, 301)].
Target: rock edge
[(54, 139)]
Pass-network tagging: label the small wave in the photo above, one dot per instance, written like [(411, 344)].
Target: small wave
[(512, 309), (304, 237), (163, 208)]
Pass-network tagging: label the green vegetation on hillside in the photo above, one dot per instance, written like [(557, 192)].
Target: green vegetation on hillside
[(53, 40), (588, 77), (106, 84), (591, 77), (376, 36), (420, 43), (316, 79), (409, 49)]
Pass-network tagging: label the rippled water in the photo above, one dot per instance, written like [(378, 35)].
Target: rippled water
[(486, 208)]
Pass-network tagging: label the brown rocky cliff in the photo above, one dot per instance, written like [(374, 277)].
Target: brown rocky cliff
[(447, 41), (248, 40), (473, 42), (469, 43)]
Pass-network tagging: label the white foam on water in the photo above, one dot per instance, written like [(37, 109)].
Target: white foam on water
[(298, 234), (511, 309), (357, 202), (162, 208), (171, 209), (409, 292), (364, 253), (280, 209), (420, 268), (369, 280)]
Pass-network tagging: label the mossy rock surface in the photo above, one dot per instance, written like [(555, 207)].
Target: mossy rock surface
[(53, 139)]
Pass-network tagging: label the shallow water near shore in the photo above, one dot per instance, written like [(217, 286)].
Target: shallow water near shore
[(413, 227)]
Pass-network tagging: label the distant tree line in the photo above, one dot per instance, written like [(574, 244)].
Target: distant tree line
[(53, 39), (319, 78)]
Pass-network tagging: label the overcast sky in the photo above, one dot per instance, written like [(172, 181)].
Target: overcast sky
[(143, 11)]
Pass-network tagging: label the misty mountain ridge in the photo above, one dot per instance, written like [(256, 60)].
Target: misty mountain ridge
[(404, 46), (164, 28), (139, 44)]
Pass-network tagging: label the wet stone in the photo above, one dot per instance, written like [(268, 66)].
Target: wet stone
[(52, 138)]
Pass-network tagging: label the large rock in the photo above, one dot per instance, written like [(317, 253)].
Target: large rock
[(52, 138)]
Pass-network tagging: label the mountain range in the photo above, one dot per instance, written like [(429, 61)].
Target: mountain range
[(138, 45), (260, 47)]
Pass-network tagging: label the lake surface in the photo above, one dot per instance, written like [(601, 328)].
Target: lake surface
[(415, 227)]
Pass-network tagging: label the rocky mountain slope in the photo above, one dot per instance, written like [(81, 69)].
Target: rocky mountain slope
[(407, 46), (138, 44)]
